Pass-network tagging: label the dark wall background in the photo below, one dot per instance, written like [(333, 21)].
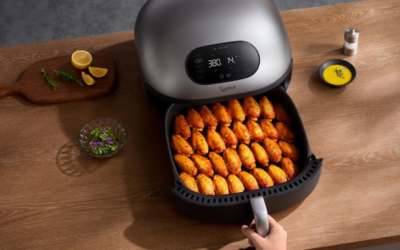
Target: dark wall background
[(32, 21)]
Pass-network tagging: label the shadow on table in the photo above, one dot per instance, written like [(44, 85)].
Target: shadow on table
[(319, 88), (73, 161)]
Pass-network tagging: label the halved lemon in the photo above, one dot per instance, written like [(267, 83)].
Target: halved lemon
[(88, 79), (98, 72), (81, 59)]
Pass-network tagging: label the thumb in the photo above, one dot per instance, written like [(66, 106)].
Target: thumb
[(253, 236)]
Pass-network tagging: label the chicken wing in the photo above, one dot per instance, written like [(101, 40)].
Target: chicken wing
[(248, 181), (206, 185), (269, 130), (232, 161), (241, 132), (285, 133), (255, 131), (236, 110), (251, 108), (281, 114), (202, 164), (259, 153), (277, 174), (267, 109), (181, 127), (181, 146), (222, 114), (273, 150), (262, 177), (185, 164), (291, 169), (246, 156), (219, 164), (221, 186), (189, 182), (198, 142), (234, 184), (194, 119), (215, 141), (289, 150), (228, 136), (208, 117)]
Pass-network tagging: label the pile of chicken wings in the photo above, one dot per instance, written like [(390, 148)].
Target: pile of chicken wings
[(212, 145)]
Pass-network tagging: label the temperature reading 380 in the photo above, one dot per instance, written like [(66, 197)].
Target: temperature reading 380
[(214, 63)]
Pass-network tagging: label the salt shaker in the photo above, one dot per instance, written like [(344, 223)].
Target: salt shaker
[(350, 41)]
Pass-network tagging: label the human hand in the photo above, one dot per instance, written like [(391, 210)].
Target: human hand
[(276, 240)]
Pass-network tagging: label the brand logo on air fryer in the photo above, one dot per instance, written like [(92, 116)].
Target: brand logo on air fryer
[(223, 89)]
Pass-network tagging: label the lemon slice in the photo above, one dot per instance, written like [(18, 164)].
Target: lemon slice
[(81, 59), (98, 72), (88, 79)]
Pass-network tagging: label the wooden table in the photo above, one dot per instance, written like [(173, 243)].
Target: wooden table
[(54, 196)]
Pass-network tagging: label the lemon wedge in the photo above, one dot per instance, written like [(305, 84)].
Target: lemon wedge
[(88, 79), (81, 59), (98, 72)]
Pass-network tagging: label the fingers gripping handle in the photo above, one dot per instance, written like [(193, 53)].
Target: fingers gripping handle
[(260, 215)]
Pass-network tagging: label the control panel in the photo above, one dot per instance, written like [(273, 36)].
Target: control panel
[(222, 62)]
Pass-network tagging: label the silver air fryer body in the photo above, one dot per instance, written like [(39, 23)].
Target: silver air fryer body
[(203, 51)]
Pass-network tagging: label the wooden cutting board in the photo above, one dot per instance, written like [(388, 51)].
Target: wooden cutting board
[(35, 89)]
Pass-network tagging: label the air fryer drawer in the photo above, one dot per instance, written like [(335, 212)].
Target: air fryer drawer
[(236, 207)]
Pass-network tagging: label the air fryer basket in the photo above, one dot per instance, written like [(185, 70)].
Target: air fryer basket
[(236, 207)]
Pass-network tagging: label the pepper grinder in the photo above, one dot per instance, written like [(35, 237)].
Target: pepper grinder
[(350, 41)]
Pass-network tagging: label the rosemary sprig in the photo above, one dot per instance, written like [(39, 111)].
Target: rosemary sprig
[(68, 77), (340, 73), (49, 80)]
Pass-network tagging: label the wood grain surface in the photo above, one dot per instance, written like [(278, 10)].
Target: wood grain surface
[(54, 196), (34, 88)]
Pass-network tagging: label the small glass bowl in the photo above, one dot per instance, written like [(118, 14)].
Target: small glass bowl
[(85, 136)]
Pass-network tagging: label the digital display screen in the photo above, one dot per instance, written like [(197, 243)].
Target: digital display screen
[(222, 62)]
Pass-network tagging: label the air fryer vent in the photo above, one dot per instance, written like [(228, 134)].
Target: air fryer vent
[(296, 183)]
